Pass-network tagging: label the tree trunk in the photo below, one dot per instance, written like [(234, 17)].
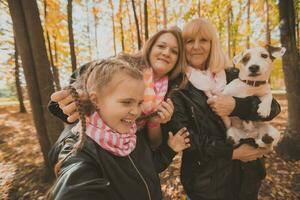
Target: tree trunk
[(199, 8), (165, 13), (130, 25), (137, 25), (113, 25), (121, 25), (290, 145), (18, 82), (268, 31), (71, 35), (248, 24), (156, 15), (31, 44), (88, 28), (96, 21), (146, 20), (53, 66), (141, 21), (229, 17)]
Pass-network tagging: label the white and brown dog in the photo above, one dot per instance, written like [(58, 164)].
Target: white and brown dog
[(255, 70)]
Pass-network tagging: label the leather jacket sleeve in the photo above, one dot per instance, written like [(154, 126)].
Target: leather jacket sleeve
[(162, 157), (246, 108), (79, 180), (204, 146)]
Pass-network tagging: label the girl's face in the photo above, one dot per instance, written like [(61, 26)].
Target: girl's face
[(197, 51), (163, 55), (119, 102)]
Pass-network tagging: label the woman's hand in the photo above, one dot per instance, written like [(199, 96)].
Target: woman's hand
[(179, 141), (67, 104), (164, 111), (221, 104), (246, 153)]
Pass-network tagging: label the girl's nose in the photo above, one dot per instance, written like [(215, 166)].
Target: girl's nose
[(135, 110), (166, 52)]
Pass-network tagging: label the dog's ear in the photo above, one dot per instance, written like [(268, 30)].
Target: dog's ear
[(275, 52), (237, 58)]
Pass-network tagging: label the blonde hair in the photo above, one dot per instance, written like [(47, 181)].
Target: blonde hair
[(217, 59), (180, 63)]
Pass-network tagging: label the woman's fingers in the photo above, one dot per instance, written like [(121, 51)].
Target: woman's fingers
[(60, 95), (69, 109), (74, 117)]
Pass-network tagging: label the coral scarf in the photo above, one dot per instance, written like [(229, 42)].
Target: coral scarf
[(155, 91), (116, 143)]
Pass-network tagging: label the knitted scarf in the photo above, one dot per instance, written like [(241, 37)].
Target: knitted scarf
[(155, 91), (116, 143)]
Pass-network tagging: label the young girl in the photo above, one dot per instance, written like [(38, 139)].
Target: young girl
[(109, 160)]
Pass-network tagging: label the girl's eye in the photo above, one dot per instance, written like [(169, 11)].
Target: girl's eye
[(263, 55), (203, 40), (126, 103)]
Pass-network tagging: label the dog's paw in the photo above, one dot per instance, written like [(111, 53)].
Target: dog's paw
[(264, 110), (267, 139)]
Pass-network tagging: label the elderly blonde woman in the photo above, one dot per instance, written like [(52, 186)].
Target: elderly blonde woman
[(212, 169)]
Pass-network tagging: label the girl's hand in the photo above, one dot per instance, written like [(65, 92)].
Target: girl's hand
[(67, 104), (164, 111), (179, 141)]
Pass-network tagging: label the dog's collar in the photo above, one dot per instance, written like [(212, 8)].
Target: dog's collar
[(254, 83)]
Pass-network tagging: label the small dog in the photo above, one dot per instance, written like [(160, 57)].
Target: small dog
[(255, 70)]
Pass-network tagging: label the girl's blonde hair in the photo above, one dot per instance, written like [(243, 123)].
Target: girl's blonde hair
[(217, 59), (180, 63)]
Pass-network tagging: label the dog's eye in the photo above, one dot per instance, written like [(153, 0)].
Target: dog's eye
[(263, 55), (245, 59)]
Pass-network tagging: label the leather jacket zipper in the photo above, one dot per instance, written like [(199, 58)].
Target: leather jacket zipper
[(147, 188)]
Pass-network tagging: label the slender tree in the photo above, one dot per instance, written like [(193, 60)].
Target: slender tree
[(120, 15), (71, 35), (290, 145), (146, 20), (165, 13), (53, 66), (156, 15), (88, 27), (113, 25), (199, 8), (22, 108), (137, 25), (248, 24), (130, 26), (31, 45), (268, 31)]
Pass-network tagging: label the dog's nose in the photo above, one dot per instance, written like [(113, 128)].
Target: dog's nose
[(254, 68)]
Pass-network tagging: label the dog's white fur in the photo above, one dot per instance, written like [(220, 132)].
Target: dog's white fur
[(237, 128)]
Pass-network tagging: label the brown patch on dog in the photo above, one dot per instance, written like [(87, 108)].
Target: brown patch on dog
[(271, 50), (267, 139), (246, 58)]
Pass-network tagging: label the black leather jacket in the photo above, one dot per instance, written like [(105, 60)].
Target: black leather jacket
[(207, 165), (93, 173)]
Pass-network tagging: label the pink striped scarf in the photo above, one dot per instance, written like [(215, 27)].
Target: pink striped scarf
[(155, 91), (116, 143)]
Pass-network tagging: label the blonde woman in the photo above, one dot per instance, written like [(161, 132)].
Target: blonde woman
[(211, 168)]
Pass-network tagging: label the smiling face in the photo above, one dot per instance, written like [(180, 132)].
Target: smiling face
[(163, 55), (119, 102), (197, 51)]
